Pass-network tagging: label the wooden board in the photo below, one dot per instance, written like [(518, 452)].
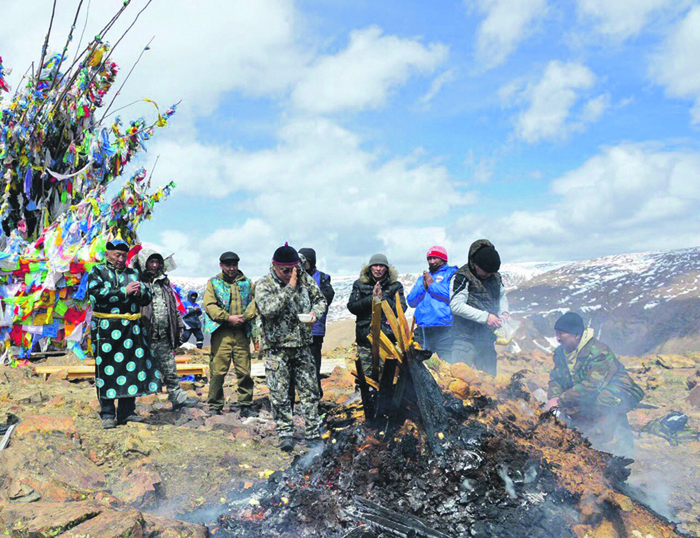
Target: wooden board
[(81, 371), (178, 360), (327, 366)]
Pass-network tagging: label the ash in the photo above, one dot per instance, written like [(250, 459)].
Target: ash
[(371, 483)]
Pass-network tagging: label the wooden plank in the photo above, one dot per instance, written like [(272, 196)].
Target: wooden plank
[(72, 371), (257, 369), (178, 360)]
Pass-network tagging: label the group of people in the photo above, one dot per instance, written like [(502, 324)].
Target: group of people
[(136, 326)]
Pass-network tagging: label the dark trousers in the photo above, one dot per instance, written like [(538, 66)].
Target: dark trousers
[(316, 353), (110, 409), (198, 335), (480, 355), (435, 339)]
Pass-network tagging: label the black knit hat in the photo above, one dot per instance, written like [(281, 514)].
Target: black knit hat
[(570, 323), (309, 254), (487, 258), (229, 257), (286, 256)]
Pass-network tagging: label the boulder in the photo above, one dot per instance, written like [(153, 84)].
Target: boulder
[(45, 424), (172, 528), (110, 524), (140, 485), (46, 519), (693, 397), (52, 466), (675, 361)]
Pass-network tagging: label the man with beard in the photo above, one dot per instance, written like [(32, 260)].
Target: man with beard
[(123, 365), (377, 280), (289, 302), (591, 387), (478, 302), (163, 324), (226, 300), (430, 297)]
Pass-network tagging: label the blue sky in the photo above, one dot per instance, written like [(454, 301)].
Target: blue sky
[(559, 130)]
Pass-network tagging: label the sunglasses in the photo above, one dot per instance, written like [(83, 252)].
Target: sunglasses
[(286, 270)]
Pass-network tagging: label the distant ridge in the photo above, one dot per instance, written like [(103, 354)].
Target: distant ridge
[(638, 303)]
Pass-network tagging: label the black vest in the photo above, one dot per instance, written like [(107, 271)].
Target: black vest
[(483, 295)]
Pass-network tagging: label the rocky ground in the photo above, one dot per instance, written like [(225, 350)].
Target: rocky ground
[(146, 479)]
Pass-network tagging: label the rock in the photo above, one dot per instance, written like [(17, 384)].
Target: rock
[(109, 524), (43, 424), (675, 361), (140, 485), (21, 492), (46, 519), (135, 443), (90, 519), (693, 397), (171, 528), (53, 467)]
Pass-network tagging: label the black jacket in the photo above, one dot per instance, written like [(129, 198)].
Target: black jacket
[(360, 302)]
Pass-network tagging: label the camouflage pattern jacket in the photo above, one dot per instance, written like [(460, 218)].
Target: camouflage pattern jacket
[(279, 306), (596, 384)]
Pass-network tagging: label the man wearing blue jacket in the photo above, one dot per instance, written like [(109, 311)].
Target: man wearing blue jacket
[(430, 297)]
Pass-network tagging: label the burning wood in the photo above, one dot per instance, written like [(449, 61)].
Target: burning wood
[(436, 456)]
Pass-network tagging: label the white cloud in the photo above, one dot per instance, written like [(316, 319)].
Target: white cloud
[(361, 76), (409, 245), (200, 50), (507, 23), (437, 84), (630, 197), (318, 185), (676, 66), (621, 19), (550, 101), (187, 257)]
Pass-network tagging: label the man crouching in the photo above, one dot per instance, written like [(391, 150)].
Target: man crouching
[(289, 302), (592, 388)]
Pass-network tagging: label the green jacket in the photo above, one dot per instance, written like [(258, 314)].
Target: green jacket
[(278, 306), (591, 380)]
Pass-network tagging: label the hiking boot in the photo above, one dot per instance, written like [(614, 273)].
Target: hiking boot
[(109, 423), (187, 402), (214, 411), (131, 418), (248, 411), (287, 444)]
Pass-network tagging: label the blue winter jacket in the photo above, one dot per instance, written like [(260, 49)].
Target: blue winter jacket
[(433, 306)]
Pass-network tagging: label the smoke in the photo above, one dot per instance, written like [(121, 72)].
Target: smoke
[(307, 459), (654, 489), (510, 485)]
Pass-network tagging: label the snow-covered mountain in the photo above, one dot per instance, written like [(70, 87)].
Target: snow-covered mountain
[(637, 303)]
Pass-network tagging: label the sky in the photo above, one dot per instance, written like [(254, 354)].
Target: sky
[(558, 130)]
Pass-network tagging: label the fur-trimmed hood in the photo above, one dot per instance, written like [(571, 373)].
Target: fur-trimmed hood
[(367, 278)]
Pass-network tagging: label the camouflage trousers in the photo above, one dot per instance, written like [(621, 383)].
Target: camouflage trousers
[(282, 365), (364, 353), (165, 360), (609, 431)]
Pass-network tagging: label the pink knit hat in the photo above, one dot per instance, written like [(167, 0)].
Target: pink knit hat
[(437, 252)]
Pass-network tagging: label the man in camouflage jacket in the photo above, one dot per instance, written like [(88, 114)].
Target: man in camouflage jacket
[(592, 388), (163, 324), (280, 298)]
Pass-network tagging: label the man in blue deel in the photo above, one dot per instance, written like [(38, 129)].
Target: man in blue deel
[(430, 297)]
